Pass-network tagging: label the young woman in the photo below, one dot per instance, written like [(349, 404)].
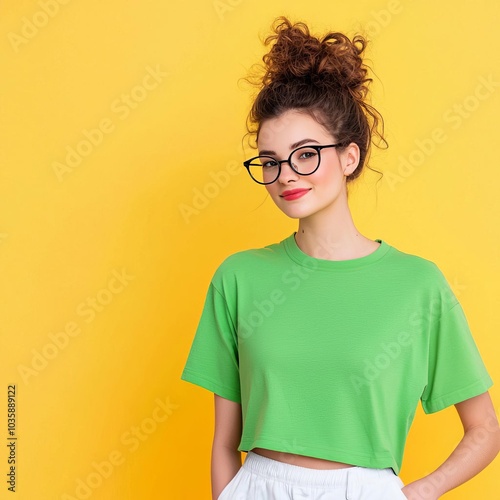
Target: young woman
[(318, 348)]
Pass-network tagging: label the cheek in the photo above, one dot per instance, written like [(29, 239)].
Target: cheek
[(329, 172), (272, 189), (327, 175)]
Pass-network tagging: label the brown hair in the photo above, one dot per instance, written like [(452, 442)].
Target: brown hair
[(323, 77)]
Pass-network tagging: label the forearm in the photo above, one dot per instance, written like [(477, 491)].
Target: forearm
[(474, 452), (225, 464)]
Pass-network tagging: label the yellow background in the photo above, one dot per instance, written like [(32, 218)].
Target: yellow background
[(121, 210)]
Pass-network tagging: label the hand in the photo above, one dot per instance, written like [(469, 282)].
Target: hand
[(419, 490)]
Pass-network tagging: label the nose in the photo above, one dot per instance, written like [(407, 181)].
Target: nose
[(287, 172)]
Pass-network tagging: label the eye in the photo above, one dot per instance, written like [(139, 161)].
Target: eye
[(307, 154), (269, 163)]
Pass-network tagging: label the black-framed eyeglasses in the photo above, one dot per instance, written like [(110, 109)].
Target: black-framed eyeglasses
[(265, 169)]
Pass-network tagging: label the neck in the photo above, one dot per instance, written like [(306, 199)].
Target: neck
[(331, 234)]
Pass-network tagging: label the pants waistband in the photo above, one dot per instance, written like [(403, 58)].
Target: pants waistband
[(304, 476)]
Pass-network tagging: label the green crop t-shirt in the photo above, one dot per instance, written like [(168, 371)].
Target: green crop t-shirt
[(329, 359)]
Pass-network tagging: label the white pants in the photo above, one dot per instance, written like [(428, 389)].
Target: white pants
[(262, 478)]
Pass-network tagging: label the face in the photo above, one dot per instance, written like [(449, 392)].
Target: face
[(278, 137)]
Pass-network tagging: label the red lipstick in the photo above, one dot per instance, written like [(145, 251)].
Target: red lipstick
[(293, 194)]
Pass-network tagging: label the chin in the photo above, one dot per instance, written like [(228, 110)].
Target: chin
[(297, 212)]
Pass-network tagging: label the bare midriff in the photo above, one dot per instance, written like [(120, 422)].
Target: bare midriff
[(300, 460)]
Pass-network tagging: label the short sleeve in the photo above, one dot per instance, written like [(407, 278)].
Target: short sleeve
[(213, 361), (456, 371)]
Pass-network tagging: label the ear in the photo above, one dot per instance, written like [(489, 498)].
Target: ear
[(349, 158)]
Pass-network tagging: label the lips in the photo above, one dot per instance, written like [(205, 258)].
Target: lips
[(294, 194), (292, 191)]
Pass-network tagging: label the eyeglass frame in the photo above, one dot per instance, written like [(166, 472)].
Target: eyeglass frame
[(318, 148)]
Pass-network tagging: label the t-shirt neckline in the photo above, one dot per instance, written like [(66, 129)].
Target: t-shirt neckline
[(300, 257)]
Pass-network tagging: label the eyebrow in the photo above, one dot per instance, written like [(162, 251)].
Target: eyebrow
[(292, 146)]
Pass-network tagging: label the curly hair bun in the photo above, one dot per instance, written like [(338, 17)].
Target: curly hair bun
[(334, 60)]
